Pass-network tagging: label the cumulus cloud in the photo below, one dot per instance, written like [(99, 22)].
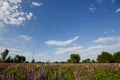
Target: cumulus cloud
[(107, 39), (37, 4), (67, 50), (92, 8), (61, 43), (11, 12), (25, 37), (118, 10)]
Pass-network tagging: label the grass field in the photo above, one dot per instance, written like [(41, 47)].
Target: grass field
[(81, 71)]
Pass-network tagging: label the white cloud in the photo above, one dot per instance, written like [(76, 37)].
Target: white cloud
[(113, 30), (99, 1), (97, 49), (67, 50), (15, 1), (92, 8), (25, 37), (61, 43), (37, 4), (107, 39), (105, 32), (118, 10), (11, 12), (29, 16), (1, 25), (113, 1)]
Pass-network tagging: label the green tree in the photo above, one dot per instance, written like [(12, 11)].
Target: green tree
[(19, 59), (69, 60), (116, 57), (33, 61), (22, 59), (86, 60), (4, 54), (9, 60), (75, 58), (105, 57), (93, 61)]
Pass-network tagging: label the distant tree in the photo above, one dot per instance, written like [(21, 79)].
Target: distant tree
[(93, 61), (56, 62), (26, 61), (22, 59), (16, 59), (75, 58), (105, 57), (69, 61), (4, 55), (33, 61), (86, 60), (19, 59), (9, 60), (116, 57)]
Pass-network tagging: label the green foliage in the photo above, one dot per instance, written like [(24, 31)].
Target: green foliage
[(93, 61), (19, 59), (86, 61), (105, 57), (69, 60), (4, 54), (86, 71), (33, 61), (9, 60), (116, 57), (75, 58)]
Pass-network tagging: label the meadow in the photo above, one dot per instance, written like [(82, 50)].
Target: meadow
[(65, 71)]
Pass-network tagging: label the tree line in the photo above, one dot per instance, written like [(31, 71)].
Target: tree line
[(104, 57), (16, 59)]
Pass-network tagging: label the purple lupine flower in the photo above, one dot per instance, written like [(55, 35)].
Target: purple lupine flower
[(32, 75), (88, 75), (29, 75), (77, 76), (10, 77), (41, 74)]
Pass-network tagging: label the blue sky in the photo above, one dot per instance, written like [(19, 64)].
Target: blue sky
[(53, 29)]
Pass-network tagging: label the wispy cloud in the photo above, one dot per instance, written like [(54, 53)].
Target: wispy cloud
[(67, 50), (118, 10), (97, 49), (113, 1), (61, 43), (107, 40), (25, 37), (99, 1), (113, 30), (11, 12), (37, 4), (92, 8)]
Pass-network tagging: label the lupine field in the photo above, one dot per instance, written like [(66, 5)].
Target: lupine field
[(35, 71)]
